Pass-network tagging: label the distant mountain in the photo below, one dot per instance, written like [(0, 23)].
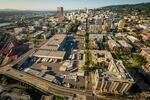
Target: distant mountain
[(9, 10), (142, 8)]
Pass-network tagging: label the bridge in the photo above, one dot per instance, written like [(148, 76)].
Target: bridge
[(37, 82)]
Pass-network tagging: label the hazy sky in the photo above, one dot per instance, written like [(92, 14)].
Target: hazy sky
[(67, 4)]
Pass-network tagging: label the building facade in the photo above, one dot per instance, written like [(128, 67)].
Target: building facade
[(116, 80), (121, 24), (146, 54), (113, 45), (60, 14)]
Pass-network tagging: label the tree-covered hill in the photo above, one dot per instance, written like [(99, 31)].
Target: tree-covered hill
[(142, 8)]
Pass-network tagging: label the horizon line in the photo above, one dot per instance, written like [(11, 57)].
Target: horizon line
[(13, 9)]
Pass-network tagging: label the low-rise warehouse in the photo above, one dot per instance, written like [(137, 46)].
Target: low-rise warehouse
[(50, 54), (53, 48), (55, 43)]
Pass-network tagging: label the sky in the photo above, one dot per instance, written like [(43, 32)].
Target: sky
[(67, 4)]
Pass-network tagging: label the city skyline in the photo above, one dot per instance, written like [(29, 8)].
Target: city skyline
[(67, 4), (74, 50)]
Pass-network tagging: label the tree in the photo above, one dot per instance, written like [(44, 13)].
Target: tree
[(58, 98), (74, 27), (53, 30), (139, 59), (4, 80), (84, 67)]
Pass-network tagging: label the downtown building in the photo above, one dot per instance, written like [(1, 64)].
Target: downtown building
[(120, 45), (60, 14), (113, 45), (121, 24), (114, 80), (95, 29), (146, 54), (126, 47)]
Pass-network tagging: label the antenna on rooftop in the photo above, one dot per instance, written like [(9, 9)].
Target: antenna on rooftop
[(59, 3)]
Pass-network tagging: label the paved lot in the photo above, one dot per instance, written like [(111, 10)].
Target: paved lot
[(54, 67)]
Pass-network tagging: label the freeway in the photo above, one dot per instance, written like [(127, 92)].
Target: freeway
[(41, 84), (37, 82)]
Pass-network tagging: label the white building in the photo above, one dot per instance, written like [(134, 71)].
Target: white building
[(19, 30), (132, 38), (116, 80)]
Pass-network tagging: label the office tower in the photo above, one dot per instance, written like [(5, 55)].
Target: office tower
[(60, 14)]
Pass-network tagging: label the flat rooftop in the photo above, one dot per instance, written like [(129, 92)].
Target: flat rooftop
[(50, 54), (105, 53), (96, 36), (117, 73), (54, 42), (132, 38), (113, 43), (146, 50), (123, 43)]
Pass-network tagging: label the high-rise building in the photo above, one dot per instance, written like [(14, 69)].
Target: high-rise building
[(60, 14)]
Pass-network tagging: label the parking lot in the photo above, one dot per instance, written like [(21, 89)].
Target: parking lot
[(40, 66)]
